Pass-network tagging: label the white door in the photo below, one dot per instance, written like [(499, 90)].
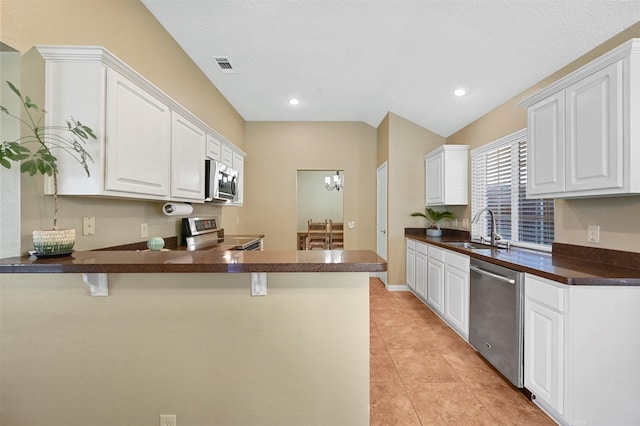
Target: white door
[(381, 216)]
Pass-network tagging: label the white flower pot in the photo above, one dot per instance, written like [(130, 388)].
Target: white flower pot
[(55, 242), (434, 232)]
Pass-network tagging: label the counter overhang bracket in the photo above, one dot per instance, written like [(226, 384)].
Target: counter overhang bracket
[(98, 283)]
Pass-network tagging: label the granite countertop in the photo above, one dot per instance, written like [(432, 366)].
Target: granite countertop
[(568, 264), (135, 261)]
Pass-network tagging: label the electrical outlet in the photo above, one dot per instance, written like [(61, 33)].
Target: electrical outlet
[(167, 420), (88, 225), (351, 224), (593, 233), (144, 230)]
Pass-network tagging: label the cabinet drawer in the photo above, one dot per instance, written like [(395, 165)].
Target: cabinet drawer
[(421, 248), (459, 261), (411, 244), (545, 291), (436, 253)]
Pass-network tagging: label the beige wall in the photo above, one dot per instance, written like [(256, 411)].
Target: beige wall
[(276, 150), (618, 217), (129, 31), (408, 143), (204, 350)]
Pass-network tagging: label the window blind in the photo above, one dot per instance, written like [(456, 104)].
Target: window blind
[(499, 183)]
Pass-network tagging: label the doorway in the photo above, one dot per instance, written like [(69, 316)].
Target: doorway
[(315, 202)]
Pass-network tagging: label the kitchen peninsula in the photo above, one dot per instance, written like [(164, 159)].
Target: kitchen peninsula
[(181, 329)]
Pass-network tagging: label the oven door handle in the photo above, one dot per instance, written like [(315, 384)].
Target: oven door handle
[(492, 275)]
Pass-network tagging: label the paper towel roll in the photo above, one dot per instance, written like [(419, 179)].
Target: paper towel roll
[(177, 209)]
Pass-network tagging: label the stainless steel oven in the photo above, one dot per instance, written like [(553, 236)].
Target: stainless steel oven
[(203, 233)]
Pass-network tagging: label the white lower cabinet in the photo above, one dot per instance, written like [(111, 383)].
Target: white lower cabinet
[(581, 347), (440, 278), (411, 264), (435, 295), (421, 270), (544, 338), (456, 288)]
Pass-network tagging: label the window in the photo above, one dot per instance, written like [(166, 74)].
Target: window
[(499, 183)]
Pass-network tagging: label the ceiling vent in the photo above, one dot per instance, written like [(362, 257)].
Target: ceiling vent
[(224, 65)]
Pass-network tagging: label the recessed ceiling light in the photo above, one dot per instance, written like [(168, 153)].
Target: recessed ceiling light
[(294, 101), (461, 91)]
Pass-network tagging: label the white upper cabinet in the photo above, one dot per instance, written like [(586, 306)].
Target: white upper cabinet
[(446, 174), (187, 164), (214, 145), (545, 157), (138, 137), (238, 165), (226, 155), (148, 147), (583, 131)]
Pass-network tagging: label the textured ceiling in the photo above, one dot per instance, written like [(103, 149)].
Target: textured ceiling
[(357, 60)]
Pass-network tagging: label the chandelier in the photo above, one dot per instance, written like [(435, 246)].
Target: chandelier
[(333, 183)]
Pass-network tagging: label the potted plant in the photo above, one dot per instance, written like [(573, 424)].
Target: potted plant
[(434, 216), (36, 149)]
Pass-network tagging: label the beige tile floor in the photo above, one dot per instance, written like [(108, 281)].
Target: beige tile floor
[(423, 373)]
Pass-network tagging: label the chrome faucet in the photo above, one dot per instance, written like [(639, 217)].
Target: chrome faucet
[(494, 233)]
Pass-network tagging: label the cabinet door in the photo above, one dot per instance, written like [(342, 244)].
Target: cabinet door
[(546, 146), (238, 165), (456, 299), (435, 292), (411, 268), (434, 171), (187, 159), (226, 154), (213, 147), (543, 353), (421, 274), (594, 131), (138, 135)]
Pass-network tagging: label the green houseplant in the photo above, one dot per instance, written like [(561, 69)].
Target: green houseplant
[(434, 217), (36, 149)]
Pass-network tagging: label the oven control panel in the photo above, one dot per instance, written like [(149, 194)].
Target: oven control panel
[(198, 225)]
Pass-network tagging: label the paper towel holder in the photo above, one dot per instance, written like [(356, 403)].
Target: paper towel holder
[(177, 209)]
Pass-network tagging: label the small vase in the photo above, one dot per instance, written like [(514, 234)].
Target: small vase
[(434, 232), (55, 242)]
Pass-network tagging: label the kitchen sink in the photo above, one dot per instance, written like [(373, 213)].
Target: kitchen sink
[(469, 245)]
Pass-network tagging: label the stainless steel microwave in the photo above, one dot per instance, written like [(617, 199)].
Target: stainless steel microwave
[(221, 182)]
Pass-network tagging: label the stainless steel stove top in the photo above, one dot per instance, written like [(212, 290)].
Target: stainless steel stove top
[(204, 234)]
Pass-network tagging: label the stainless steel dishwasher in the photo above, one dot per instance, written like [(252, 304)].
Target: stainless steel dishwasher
[(495, 317)]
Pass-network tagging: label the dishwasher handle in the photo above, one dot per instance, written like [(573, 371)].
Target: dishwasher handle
[(492, 275)]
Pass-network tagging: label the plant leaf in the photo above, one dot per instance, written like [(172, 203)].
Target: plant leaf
[(29, 167), (15, 89), (5, 163)]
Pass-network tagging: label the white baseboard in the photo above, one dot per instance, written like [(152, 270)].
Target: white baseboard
[(402, 287)]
